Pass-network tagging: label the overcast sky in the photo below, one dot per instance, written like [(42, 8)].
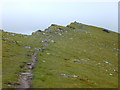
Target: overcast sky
[(27, 16)]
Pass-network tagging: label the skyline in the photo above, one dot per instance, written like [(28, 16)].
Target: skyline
[(27, 17)]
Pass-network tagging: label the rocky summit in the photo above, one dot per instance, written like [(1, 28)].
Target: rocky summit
[(72, 56)]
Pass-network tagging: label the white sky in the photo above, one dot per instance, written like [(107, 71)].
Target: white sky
[(26, 16), (59, 1)]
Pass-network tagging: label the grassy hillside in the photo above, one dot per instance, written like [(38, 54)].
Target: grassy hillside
[(75, 56), (16, 52)]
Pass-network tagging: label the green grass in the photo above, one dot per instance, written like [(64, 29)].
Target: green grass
[(15, 55), (89, 45), (81, 46)]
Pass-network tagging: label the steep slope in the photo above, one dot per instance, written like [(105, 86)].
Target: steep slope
[(75, 56), (81, 57)]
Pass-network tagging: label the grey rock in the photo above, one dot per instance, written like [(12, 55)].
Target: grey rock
[(36, 48), (48, 53), (25, 73), (53, 41), (107, 62), (60, 34), (27, 47), (43, 61), (12, 34), (110, 74), (28, 63), (64, 75), (43, 33)]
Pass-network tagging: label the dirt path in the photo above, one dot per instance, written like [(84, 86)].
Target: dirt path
[(26, 78)]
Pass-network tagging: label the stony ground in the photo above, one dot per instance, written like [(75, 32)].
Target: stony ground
[(75, 56)]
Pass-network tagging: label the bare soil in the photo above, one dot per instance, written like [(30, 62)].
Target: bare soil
[(25, 80)]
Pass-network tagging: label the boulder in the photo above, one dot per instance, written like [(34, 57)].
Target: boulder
[(53, 24), (64, 75), (70, 27), (105, 30), (39, 30), (60, 28)]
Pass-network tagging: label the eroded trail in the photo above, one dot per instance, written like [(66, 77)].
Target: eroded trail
[(25, 80)]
